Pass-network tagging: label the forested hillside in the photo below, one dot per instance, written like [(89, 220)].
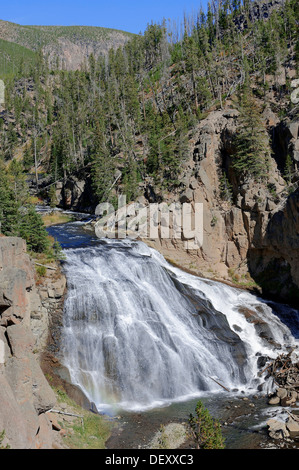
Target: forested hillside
[(126, 123), (205, 113), (136, 110)]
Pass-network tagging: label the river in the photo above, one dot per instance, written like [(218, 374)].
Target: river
[(145, 340)]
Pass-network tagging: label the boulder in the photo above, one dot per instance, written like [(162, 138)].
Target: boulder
[(282, 393), (11, 418), (43, 396), (277, 429), (274, 400), (21, 340), (54, 421), (44, 438), (289, 399), (293, 428)]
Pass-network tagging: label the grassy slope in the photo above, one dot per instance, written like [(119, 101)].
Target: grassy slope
[(11, 55), (89, 432)]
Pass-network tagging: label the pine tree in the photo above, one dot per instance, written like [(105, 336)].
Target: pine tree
[(17, 217), (251, 159), (9, 206), (28, 158), (52, 196), (17, 179), (288, 170), (102, 164), (32, 229), (205, 430), (191, 63), (225, 189)]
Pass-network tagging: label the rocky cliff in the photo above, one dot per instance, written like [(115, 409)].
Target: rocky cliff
[(274, 257), (259, 10), (66, 47), (25, 394), (250, 239), (253, 236)]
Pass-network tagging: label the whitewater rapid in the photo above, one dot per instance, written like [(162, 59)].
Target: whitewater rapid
[(139, 333)]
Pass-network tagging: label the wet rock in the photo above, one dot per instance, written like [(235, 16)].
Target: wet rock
[(262, 361), (274, 400), (281, 393)]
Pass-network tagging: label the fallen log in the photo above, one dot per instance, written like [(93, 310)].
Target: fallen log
[(294, 417), (264, 370), (220, 384), (65, 413), (48, 267), (68, 414)]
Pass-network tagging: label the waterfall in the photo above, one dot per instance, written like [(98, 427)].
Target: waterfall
[(139, 332)]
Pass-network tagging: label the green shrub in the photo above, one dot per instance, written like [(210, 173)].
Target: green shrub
[(205, 430), (2, 435), (41, 270)]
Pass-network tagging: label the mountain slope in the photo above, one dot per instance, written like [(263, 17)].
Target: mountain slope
[(65, 46), (12, 56), (208, 118)]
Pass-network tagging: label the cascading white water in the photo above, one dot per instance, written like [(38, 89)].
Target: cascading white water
[(139, 332)]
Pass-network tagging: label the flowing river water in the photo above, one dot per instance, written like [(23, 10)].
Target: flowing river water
[(145, 340)]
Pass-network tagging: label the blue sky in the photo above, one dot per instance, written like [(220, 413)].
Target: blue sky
[(128, 15)]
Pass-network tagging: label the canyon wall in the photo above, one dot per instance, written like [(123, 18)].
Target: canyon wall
[(253, 237), (25, 393), (250, 238)]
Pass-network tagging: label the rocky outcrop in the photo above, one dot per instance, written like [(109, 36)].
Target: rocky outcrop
[(72, 54), (65, 47), (274, 258), (250, 236), (76, 193), (258, 10), (250, 232), (25, 393)]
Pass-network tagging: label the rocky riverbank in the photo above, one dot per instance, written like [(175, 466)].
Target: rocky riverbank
[(243, 421), (35, 409), (31, 311), (25, 393), (285, 372)]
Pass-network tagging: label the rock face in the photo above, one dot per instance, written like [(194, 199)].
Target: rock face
[(65, 47), (274, 260), (76, 193), (259, 10), (253, 235), (72, 54), (25, 393)]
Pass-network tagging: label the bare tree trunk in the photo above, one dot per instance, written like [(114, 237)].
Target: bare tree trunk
[(35, 159)]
